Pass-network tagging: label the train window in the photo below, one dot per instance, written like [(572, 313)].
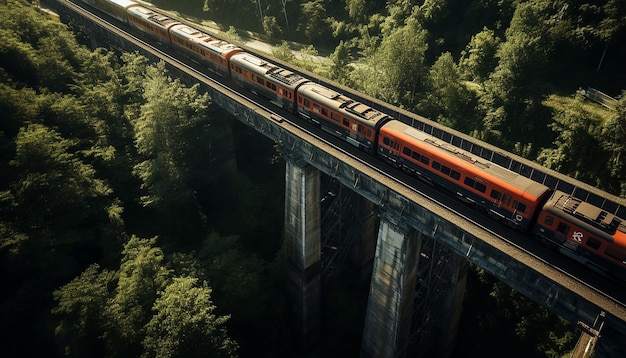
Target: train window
[(436, 165), (593, 243), (455, 175), (519, 206), (346, 122), (306, 102), (260, 80), (506, 199), (334, 116), (495, 194), (480, 187), (324, 111), (425, 160), (445, 170), (469, 182), (316, 108), (407, 151), (549, 220), (369, 132), (562, 228), (361, 129), (386, 141), (416, 156)]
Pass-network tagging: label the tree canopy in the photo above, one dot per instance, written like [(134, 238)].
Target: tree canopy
[(98, 150), (120, 232)]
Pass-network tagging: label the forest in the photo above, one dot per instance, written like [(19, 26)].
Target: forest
[(134, 222)]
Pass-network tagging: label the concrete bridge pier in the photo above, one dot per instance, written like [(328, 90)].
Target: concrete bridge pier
[(390, 303), (302, 232)]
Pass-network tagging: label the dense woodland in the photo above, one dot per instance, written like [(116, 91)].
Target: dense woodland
[(134, 222)]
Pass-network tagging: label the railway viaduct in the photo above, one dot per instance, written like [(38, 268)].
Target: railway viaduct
[(414, 249)]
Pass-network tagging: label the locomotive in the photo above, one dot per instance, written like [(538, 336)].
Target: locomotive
[(578, 229)]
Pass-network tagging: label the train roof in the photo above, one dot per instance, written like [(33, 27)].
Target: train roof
[(508, 179), (566, 205), (155, 17), (343, 104), (268, 69), (122, 3), (203, 39)]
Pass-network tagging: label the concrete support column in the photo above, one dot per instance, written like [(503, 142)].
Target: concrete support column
[(302, 231), (390, 303)]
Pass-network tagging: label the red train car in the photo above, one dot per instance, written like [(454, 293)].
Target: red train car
[(151, 23), (505, 195), (340, 115), (583, 232), (266, 79), (210, 51)]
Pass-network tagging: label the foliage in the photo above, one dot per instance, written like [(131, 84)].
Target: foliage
[(170, 115), (478, 59), (315, 27), (395, 71), (447, 100), (576, 150), (340, 64), (184, 323), (75, 125), (98, 150), (283, 52), (613, 137), (140, 309)]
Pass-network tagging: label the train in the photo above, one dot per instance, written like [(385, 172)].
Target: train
[(578, 229)]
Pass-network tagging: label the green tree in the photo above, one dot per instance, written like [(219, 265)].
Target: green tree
[(577, 151), (142, 275), (51, 196), (447, 99), (357, 10), (82, 305), (396, 70), (511, 101), (478, 59), (283, 52), (613, 137), (340, 67), (168, 121), (141, 309), (271, 27), (184, 323), (315, 26)]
